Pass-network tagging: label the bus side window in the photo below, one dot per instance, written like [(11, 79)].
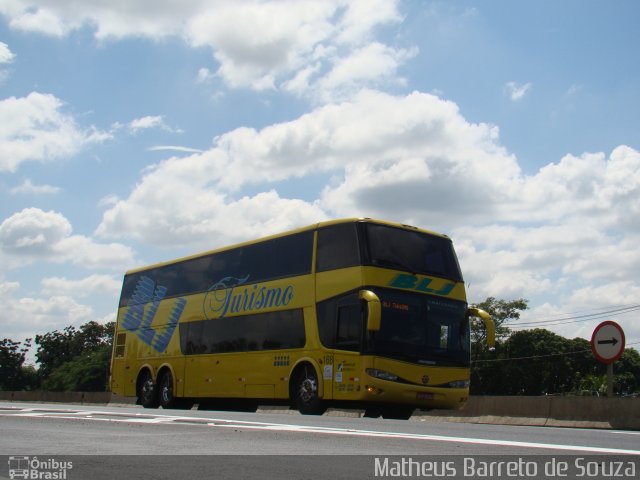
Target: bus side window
[(349, 328), (337, 247)]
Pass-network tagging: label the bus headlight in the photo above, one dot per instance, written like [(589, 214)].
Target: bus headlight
[(458, 384), (382, 374)]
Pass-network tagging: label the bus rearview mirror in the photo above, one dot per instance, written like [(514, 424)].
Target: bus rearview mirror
[(489, 326), (374, 309)]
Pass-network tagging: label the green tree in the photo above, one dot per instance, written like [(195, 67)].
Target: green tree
[(502, 311), (12, 369), (585, 370), (56, 348), (627, 372), (486, 372), (592, 385), (87, 372), (538, 362), (543, 368), (75, 359)]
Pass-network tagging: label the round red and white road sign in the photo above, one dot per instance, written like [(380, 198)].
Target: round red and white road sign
[(607, 342)]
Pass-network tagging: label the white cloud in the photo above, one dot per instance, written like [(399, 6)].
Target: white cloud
[(39, 20), (573, 90), (173, 148), (27, 316), (391, 154), (46, 313), (516, 92), (148, 122), (92, 285), (394, 142), (28, 188), (591, 187), (59, 17), (203, 218), (6, 55), (361, 17), (290, 33), (35, 235), (294, 36), (372, 64), (33, 232), (204, 75), (33, 128), (8, 288), (145, 123)]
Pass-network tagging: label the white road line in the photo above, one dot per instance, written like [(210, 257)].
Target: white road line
[(226, 423), (440, 438)]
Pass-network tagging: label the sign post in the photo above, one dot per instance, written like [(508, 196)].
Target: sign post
[(607, 345)]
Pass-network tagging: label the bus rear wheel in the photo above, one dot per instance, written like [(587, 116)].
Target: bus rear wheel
[(147, 394), (305, 392), (167, 398), (165, 385)]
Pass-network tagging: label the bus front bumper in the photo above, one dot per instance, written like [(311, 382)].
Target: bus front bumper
[(381, 391)]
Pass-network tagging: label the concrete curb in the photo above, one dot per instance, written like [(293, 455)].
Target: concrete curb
[(549, 411)]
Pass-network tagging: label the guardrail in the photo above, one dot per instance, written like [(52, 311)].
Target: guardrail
[(556, 411)]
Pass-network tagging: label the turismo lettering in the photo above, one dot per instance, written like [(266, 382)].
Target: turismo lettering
[(227, 296)]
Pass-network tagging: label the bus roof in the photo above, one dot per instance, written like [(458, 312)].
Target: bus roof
[(314, 226)]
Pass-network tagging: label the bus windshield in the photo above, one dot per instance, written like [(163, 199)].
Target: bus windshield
[(421, 329), (411, 251)]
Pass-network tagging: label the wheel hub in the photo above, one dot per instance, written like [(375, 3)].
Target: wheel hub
[(308, 390)]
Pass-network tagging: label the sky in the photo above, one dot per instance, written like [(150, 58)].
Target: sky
[(138, 132)]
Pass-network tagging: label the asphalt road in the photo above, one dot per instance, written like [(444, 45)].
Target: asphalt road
[(130, 442)]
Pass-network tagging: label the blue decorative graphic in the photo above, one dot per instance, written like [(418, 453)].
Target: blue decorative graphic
[(136, 321), (142, 294), (146, 333), (162, 339)]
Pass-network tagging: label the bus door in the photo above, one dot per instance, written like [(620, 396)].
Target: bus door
[(347, 360), (120, 369)]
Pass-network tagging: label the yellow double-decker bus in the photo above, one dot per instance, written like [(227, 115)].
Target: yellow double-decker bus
[(358, 312)]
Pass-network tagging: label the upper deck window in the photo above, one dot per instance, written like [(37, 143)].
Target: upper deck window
[(280, 257), (337, 247), (411, 251)]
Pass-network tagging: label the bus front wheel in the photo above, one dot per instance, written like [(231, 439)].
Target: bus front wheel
[(305, 392), (147, 394), (397, 412)]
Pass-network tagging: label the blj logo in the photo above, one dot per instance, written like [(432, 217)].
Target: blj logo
[(147, 295)]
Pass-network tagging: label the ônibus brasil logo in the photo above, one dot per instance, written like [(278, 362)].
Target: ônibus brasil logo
[(35, 468)]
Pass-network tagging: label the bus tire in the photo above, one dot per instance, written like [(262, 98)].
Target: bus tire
[(166, 395), (397, 412), (147, 393), (372, 412), (165, 390), (305, 392)]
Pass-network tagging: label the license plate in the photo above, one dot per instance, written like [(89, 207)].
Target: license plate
[(424, 396)]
